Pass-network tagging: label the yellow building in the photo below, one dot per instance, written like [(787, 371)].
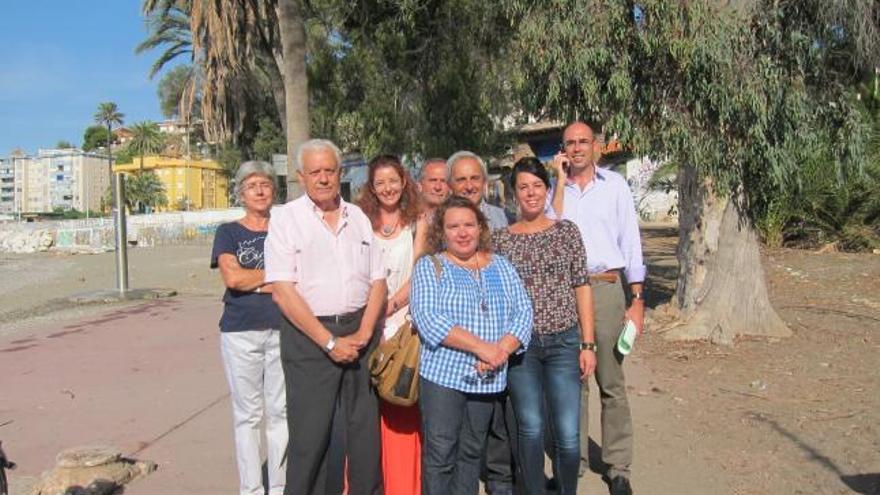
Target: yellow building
[(201, 183)]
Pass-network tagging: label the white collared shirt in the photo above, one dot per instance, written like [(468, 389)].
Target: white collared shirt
[(605, 213), (332, 270)]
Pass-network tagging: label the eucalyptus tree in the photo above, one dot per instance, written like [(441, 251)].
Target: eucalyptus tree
[(108, 114), (737, 94)]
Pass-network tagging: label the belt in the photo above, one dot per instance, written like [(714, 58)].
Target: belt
[(610, 276), (342, 318)]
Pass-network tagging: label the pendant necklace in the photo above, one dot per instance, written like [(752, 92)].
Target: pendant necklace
[(479, 276), (388, 230)]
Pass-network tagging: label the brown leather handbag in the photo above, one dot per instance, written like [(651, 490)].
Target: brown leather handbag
[(394, 364)]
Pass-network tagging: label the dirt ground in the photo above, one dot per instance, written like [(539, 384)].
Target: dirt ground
[(796, 415), (764, 416), (34, 287)]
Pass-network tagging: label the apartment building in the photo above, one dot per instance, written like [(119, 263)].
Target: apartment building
[(68, 179), (7, 185), (193, 184)]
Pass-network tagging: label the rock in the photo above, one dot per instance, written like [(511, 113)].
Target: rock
[(91, 471), (87, 456), (758, 385)]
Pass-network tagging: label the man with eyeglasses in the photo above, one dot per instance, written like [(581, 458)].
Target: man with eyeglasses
[(599, 201)]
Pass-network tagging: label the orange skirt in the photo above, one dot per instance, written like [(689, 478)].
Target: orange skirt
[(401, 432)]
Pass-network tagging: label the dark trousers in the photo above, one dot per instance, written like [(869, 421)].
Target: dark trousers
[(454, 429), (547, 376), (499, 467), (315, 384)]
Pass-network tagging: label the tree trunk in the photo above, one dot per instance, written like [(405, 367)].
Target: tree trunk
[(272, 68), (721, 290), (296, 84)]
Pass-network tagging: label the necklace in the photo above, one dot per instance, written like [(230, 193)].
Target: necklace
[(479, 278), (387, 230)]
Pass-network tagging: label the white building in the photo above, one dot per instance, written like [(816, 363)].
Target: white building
[(68, 179), (7, 185)]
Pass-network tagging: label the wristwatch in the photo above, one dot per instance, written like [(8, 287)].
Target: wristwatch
[(331, 344), (589, 346)]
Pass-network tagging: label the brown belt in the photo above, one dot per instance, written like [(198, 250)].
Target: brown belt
[(611, 276)]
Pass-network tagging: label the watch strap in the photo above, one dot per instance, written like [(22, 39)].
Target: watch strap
[(589, 346)]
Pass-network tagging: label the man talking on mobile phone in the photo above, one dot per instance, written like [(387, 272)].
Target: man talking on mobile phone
[(599, 201)]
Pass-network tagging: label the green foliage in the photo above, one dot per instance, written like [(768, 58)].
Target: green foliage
[(168, 26), (142, 190), (72, 214), (123, 154), (743, 98), (171, 90), (268, 140), (95, 137), (108, 114), (229, 157), (817, 204), (146, 139), (64, 145), (415, 77)]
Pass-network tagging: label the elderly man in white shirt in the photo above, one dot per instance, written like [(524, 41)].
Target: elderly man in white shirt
[(330, 286)]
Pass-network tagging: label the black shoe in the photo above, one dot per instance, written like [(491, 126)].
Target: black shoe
[(620, 486)]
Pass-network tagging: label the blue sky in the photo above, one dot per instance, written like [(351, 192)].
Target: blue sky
[(59, 59)]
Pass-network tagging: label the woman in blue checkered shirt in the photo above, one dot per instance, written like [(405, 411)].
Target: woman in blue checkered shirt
[(472, 313)]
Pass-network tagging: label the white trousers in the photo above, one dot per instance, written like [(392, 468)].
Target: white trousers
[(252, 360)]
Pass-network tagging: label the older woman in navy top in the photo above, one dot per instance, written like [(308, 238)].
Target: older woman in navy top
[(249, 333), (472, 313)]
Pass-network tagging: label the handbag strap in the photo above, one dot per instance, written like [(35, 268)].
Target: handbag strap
[(438, 267)]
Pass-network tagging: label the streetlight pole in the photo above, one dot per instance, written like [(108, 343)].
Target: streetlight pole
[(121, 235), (188, 160)]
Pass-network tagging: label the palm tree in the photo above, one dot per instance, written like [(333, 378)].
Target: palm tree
[(230, 39), (168, 22), (146, 139), (108, 114)]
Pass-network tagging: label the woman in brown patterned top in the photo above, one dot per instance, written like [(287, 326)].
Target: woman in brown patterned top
[(551, 261)]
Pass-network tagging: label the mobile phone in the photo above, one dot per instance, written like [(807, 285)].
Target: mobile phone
[(565, 166)]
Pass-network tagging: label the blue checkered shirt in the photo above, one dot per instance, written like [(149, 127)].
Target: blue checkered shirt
[(455, 299)]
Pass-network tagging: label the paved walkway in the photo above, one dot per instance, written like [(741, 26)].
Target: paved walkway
[(147, 378)]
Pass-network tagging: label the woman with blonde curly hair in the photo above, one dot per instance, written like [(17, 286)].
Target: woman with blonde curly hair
[(471, 316), (390, 200)]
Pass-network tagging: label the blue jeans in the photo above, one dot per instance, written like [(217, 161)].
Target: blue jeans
[(454, 429), (549, 371)]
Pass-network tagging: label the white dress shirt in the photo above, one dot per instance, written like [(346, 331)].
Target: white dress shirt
[(332, 269)]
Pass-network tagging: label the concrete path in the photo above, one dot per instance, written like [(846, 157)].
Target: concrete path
[(147, 378)]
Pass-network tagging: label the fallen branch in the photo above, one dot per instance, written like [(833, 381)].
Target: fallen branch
[(747, 394), (840, 312), (832, 418)]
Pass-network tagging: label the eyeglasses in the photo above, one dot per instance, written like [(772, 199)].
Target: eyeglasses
[(253, 186)]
